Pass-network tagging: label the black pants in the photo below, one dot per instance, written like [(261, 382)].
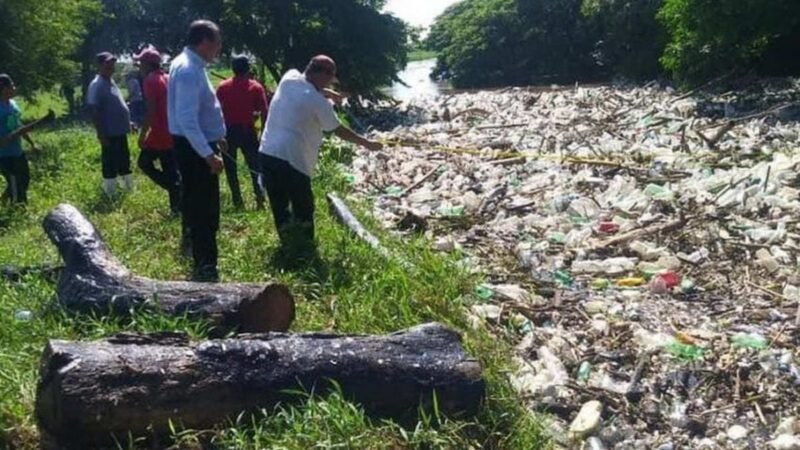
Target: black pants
[(244, 138), (200, 208), (17, 174), (167, 177), (116, 157), (287, 186)]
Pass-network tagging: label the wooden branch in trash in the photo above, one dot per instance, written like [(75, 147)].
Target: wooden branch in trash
[(94, 281), (471, 111), (417, 183), (345, 217), (90, 393), (714, 140), (508, 125), (639, 233)]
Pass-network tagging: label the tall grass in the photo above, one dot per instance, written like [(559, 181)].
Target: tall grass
[(351, 290)]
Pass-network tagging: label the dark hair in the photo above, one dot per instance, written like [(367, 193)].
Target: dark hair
[(240, 66), (202, 30), (5, 81)]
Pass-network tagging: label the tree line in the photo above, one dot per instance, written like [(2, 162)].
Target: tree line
[(484, 43), (46, 43)]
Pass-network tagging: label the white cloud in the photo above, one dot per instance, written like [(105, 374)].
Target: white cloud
[(418, 12)]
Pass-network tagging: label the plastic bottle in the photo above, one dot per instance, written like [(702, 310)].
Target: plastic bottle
[(752, 341), (631, 282), (600, 284), (563, 278), (23, 315), (584, 371), (608, 228)]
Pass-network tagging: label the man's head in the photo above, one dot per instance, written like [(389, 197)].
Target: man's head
[(7, 88), (205, 39), (149, 60), (105, 64), (321, 71), (240, 65)]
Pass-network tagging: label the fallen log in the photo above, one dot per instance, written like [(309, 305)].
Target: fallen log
[(91, 392), (342, 213), (94, 281)]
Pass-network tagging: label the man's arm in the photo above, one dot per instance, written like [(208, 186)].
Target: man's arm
[(262, 106), (97, 118), (187, 111), (28, 139), (350, 136), (149, 113)]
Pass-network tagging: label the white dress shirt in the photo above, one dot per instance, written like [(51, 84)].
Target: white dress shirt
[(193, 110), (298, 116)]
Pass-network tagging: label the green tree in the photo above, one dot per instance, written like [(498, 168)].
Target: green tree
[(497, 42), (369, 47), (39, 37), (712, 37), (630, 40)]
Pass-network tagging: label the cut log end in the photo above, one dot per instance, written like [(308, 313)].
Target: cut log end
[(272, 310)]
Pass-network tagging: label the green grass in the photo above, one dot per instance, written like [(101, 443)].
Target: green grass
[(420, 55), (354, 290)]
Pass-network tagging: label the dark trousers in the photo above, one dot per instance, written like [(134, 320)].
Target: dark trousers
[(116, 157), (17, 174), (200, 208), (167, 177), (246, 139), (288, 187)]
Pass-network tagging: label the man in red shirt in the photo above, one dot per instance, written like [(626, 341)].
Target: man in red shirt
[(244, 101), (155, 140)]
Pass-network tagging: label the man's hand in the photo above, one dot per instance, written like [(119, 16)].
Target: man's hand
[(336, 97), (142, 138), (215, 164), (373, 145)]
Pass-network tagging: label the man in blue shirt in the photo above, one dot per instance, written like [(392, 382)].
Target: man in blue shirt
[(112, 121), (13, 164), (198, 130)]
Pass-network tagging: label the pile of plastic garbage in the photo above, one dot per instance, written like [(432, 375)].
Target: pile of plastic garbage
[(643, 252)]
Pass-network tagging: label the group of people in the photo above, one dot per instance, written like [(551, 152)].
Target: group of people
[(194, 132)]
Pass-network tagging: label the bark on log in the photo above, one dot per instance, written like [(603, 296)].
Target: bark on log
[(93, 280), (91, 391)]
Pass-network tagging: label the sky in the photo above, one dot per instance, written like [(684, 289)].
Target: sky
[(418, 12)]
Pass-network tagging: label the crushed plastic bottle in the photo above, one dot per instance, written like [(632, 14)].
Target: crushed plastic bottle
[(557, 237), (584, 371), (23, 315), (753, 341), (393, 190), (688, 286), (657, 192), (563, 278), (484, 292), (601, 284), (608, 228), (610, 266), (685, 352), (631, 282), (670, 279)]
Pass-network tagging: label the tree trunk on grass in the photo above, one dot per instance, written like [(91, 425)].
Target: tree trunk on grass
[(91, 392), (93, 280)]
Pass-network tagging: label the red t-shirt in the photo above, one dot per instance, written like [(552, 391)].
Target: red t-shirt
[(241, 98), (155, 90)]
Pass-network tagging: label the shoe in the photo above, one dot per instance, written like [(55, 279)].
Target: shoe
[(110, 187), (127, 181), (207, 274)]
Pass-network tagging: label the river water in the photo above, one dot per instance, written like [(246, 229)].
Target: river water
[(417, 76)]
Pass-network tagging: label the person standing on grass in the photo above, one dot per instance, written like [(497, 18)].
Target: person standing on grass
[(299, 114), (198, 130), (13, 163), (244, 102), (155, 141), (135, 98), (112, 121)]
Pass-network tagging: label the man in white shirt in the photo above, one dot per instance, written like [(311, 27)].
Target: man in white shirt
[(198, 130), (300, 113)]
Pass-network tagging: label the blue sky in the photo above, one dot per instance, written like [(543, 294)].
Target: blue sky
[(418, 12)]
